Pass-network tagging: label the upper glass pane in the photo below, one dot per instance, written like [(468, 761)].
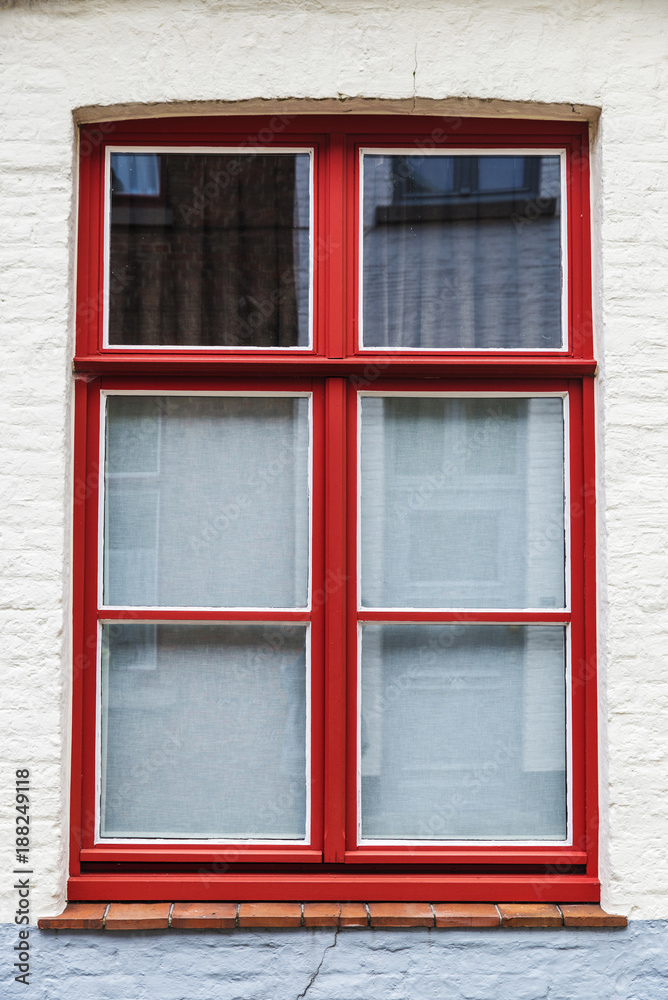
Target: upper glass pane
[(206, 501), (462, 252), (209, 249), (462, 502)]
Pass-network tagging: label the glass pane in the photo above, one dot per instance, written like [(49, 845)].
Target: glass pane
[(135, 174), (209, 249), (463, 732), (206, 501), (204, 731), (462, 252), (462, 502), (503, 173)]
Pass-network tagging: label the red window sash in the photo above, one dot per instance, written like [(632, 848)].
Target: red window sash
[(94, 612), (334, 370)]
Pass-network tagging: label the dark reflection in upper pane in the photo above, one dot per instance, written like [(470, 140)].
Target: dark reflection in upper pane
[(209, 249), (462, 252)]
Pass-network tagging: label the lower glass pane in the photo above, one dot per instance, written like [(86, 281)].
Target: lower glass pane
[(203, 731), (463, 732)]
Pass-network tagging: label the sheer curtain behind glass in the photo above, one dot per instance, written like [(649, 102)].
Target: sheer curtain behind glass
[(463, 732), (204, 725), (206, 501), (462, 502), (204, 731), (463, 726), (462, 251)]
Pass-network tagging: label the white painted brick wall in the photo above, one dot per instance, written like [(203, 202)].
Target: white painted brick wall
[(491, 56)]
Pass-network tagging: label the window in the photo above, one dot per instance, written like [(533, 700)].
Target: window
[(334, 522)]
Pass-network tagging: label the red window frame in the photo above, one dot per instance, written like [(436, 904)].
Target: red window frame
[(334, 370)]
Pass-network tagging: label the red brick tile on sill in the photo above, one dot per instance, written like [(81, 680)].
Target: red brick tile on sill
[(353, 915), (270, 915), (322, 914), (75, 916), (530, 915), (401, 915), (204, 916), (466, 915), (137, 917), (590, 915), (218, 915)]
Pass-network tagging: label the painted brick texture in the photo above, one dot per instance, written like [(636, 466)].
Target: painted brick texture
[(489, 57)]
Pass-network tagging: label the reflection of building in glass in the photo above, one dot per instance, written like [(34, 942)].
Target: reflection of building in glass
[(136, 174), (462, 252), (477, 186)]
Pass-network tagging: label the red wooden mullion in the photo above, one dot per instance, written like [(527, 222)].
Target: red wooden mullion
[(336, 579), (331, 256), (331, 249)]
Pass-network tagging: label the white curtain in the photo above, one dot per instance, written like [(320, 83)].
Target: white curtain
[(462, 502), (206, 501), (204, 731), (463, 732)]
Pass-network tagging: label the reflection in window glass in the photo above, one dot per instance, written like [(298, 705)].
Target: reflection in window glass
[(136, 174), (209, 249), (462, 252)]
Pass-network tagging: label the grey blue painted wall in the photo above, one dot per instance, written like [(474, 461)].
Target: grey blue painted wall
[(351, 964)]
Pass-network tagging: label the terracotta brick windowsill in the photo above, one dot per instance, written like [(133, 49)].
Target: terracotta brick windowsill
[(220, 916)]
